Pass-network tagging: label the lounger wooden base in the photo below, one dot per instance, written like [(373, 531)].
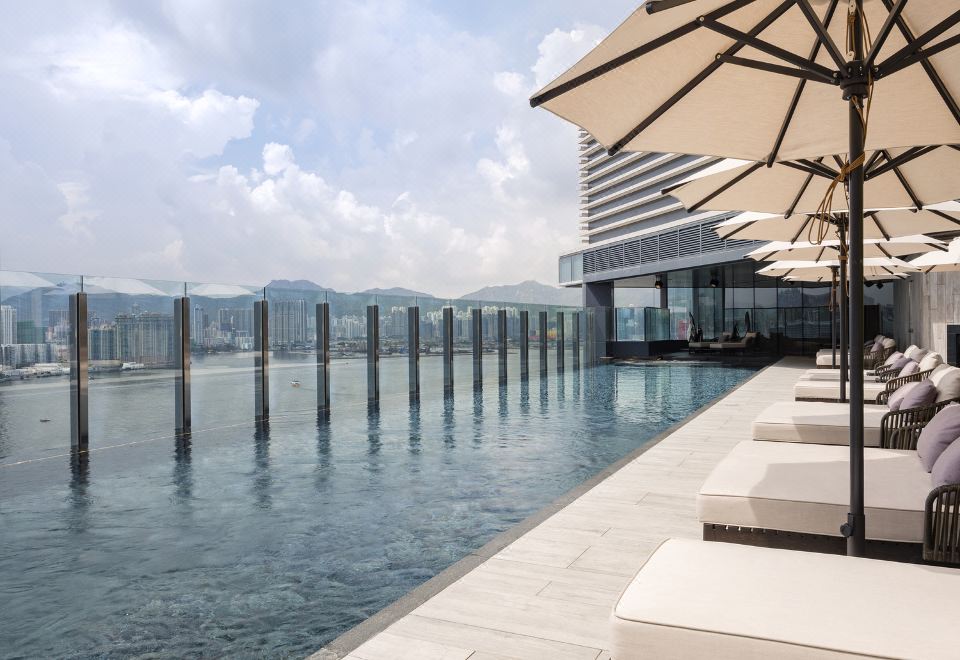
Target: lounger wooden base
[(693, 599), (832, 545)]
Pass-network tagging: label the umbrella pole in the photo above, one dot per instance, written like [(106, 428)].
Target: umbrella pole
[(844, 325), (833, 316), (854, 529)]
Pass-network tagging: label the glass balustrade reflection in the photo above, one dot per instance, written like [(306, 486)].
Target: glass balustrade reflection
[(35, 331)]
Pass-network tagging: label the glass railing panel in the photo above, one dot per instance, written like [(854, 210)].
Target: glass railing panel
[(394, 348), (348, 347), (131, 338), (222, 368), (34, 364), (292, 339), (630, 324)]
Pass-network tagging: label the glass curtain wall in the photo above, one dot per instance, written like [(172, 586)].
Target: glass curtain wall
[(788, 317)]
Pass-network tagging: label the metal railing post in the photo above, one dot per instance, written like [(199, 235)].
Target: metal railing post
[(502, 344), (323, 356), (261, 360), (524, 344), (181, 322), (79, 372), (413, 351), (560, 342), (575, 339), (542, 328), (476, 334), (373, 353), (447, 351)]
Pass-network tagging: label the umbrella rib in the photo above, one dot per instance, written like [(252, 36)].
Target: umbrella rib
[(944, 215), (817, 169), (726, 186), (876, 220), (655, 6), (919, 56), (768, 48), (881, 37), (884, 250), (631, 55), (740, 229), (699, 78), (930, 70), (870, 163), (803, 226), (776, 68), (792, 108), (906, 186), (796, 200), (914, 47), (907, 156), (822, 34)]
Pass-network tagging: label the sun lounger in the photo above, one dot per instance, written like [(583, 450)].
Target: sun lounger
[(748, 340), (802, 491), (725, 602), (816, 422), (819, 390)]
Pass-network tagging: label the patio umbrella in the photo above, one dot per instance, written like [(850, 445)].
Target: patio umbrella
[(879, 224), (940, 261), (893, 178), (877, 268), (758, 80), (805, 250)]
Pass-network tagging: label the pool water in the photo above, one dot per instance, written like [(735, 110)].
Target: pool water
[(270, 542)]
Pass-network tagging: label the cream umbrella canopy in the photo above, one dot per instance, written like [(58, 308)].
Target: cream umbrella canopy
[(940, 261), (877, 268), (879, 224), (830, 249), (894, 178), (765, 80)]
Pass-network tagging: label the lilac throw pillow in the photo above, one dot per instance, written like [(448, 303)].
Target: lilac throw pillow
[(877, 346), (923, 394), (946, 470), (893, 403), (893, 358), (938, 434), (910, 367)]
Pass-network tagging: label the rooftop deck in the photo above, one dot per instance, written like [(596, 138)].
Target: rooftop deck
[(549, 592)]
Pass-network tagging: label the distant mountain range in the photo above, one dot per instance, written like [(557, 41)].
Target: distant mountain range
[(398, 291), (531, 292), (526, 292)]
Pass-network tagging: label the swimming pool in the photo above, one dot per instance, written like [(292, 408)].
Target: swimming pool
[(272, 541)]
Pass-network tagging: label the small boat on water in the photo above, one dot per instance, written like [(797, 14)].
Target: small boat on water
[(295, 383)]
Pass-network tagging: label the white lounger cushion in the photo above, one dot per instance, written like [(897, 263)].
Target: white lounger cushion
[(821, 389), (805, 488), (816, 422), (833, 375), (693, 599)]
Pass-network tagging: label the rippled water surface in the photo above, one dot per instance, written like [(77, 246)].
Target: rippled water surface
[(270, 542)]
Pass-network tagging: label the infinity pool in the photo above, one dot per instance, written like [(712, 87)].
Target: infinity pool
[(270, 542)]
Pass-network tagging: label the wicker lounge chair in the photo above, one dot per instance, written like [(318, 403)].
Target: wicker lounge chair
[(721, 601)]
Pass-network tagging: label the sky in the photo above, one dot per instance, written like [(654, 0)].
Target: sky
[(355, 144)]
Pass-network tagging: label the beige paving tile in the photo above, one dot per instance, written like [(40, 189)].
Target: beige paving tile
[(389, 646)]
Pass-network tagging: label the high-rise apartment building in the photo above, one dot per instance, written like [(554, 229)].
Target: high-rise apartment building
[(8, 325), (288, 323), (147, 338)]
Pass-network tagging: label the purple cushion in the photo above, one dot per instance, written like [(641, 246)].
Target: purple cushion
[(896, 398), (923, 394), (910, 367), (938, 434), (947, 468), (893, 358), (877, 347)]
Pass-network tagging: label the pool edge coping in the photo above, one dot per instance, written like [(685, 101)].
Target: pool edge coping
[(347, 642)]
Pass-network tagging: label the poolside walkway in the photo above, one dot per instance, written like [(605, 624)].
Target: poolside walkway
[(549, 593)]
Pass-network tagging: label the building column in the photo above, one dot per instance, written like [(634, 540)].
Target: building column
[(323, 356), (79, 371), (373, 354), (413, 352)]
